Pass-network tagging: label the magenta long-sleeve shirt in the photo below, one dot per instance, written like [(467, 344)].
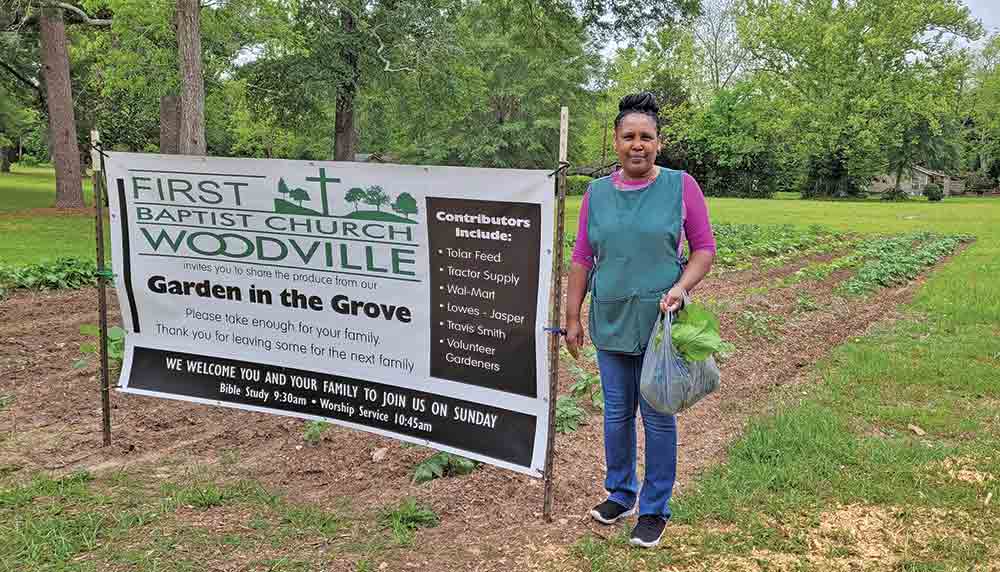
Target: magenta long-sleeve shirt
[(697, 229)]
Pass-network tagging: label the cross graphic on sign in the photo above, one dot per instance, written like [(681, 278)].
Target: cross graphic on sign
[(322, 179)]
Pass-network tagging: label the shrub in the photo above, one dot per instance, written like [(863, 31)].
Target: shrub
[(979, 183), (933, 192), (577, 185), (29, 160)]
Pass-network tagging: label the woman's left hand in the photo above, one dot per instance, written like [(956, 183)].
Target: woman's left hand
[(672, 300)]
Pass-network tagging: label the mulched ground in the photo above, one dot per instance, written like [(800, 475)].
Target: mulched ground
[(490, 520)]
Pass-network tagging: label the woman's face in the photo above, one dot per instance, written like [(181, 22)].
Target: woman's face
[(637, 144)]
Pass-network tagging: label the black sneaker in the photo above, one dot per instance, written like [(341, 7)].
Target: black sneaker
[(610, 512), (648, 531)]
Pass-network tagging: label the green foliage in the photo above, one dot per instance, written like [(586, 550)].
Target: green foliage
[(71, 273), (895, 260), (726, 351), (588, 384), (404, 519), (757, 323), (737, 244), (979, 182), (850, 93), (29, 160), (695, 333), (491, 96), (805, 302), (313, 432), (577, 185), (569, 414), (821, 271), (91, 350), (933, 192), (442, 465)]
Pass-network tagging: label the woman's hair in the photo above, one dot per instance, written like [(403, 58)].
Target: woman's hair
[(644, 103)]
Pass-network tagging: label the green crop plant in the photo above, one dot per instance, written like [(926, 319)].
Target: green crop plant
[(62, 273), (441, 465), (569, 414), (313, 432), (588, 384), (757, 324), (805, 302), (116, 346)]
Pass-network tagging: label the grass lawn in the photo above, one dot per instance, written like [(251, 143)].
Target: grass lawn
[(40, 236)]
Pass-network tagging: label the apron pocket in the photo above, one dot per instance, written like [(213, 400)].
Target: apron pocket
[(612, 324)]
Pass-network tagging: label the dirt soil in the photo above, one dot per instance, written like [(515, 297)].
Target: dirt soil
[(490, 520)]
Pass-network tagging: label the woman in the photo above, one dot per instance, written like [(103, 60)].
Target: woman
[(628, 251)]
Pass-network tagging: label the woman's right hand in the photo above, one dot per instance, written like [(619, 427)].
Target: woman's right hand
[(574, 337)]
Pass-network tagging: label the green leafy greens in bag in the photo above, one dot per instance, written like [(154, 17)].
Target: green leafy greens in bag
[(695, 333)]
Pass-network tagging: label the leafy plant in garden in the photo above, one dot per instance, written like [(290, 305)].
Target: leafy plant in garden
[(569, 414), (726, 351), (441, 465), (116, 346), (823, 270), (805, 302), (895, 260), (758, 324), (314, 430), (587, 384), (404, 519), (62, 273), (738, 244)]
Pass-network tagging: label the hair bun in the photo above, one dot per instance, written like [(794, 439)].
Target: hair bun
[(644, 102)]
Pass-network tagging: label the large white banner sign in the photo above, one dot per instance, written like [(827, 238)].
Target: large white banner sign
[(406, 301)]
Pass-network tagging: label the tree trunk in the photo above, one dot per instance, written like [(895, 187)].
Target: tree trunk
[(170, 125), (899, 176), (4, 160), (59, 98), (192, 130), (343, 134)]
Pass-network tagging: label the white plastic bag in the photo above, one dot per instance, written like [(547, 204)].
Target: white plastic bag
[(668, 382)]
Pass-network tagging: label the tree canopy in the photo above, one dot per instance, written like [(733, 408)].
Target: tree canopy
[(815, 96)]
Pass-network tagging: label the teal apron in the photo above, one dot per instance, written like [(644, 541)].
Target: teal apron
[(634, 236)]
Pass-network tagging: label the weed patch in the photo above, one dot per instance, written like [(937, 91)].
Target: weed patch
[(313, 432), (405, 519)]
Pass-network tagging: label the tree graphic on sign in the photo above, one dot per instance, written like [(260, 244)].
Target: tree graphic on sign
[(355, 196), (405, 204), (299, 194), (283, 188), (376, 197)]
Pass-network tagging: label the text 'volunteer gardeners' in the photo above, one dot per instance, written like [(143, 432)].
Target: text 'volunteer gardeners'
[(632, 226)]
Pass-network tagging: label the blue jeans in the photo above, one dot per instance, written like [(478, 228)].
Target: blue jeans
[(620, 381)]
